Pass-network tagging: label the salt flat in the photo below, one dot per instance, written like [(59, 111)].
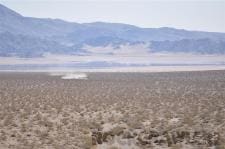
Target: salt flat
[(158, 62)]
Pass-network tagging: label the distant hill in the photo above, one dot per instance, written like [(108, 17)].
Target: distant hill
[(198, 46), (32, 37)]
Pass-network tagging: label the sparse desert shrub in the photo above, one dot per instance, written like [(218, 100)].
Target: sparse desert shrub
[(116, 131), (39, 111), (87, 142), (135, 124), (114, 147), (65, 121), (23, 128), (176, 146)]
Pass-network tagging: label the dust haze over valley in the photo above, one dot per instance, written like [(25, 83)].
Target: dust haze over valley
[(101, 85)]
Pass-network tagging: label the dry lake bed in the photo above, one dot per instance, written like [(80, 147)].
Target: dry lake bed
[(112, 110)]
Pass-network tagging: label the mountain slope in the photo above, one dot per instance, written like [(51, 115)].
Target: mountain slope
[(26, 36), (198, 46), (11, 21), (25, 46), (132, 33)]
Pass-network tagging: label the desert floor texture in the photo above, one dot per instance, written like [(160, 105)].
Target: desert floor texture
[(113, 111)]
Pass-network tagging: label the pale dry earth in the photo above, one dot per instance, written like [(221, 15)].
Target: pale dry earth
[(113, 111)]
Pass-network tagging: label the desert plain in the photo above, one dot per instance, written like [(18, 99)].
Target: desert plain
[(175, 110)]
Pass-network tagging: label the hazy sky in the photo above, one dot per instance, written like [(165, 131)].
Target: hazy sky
[(187, 14)]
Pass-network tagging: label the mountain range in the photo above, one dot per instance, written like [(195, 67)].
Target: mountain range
[(34, 37)]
